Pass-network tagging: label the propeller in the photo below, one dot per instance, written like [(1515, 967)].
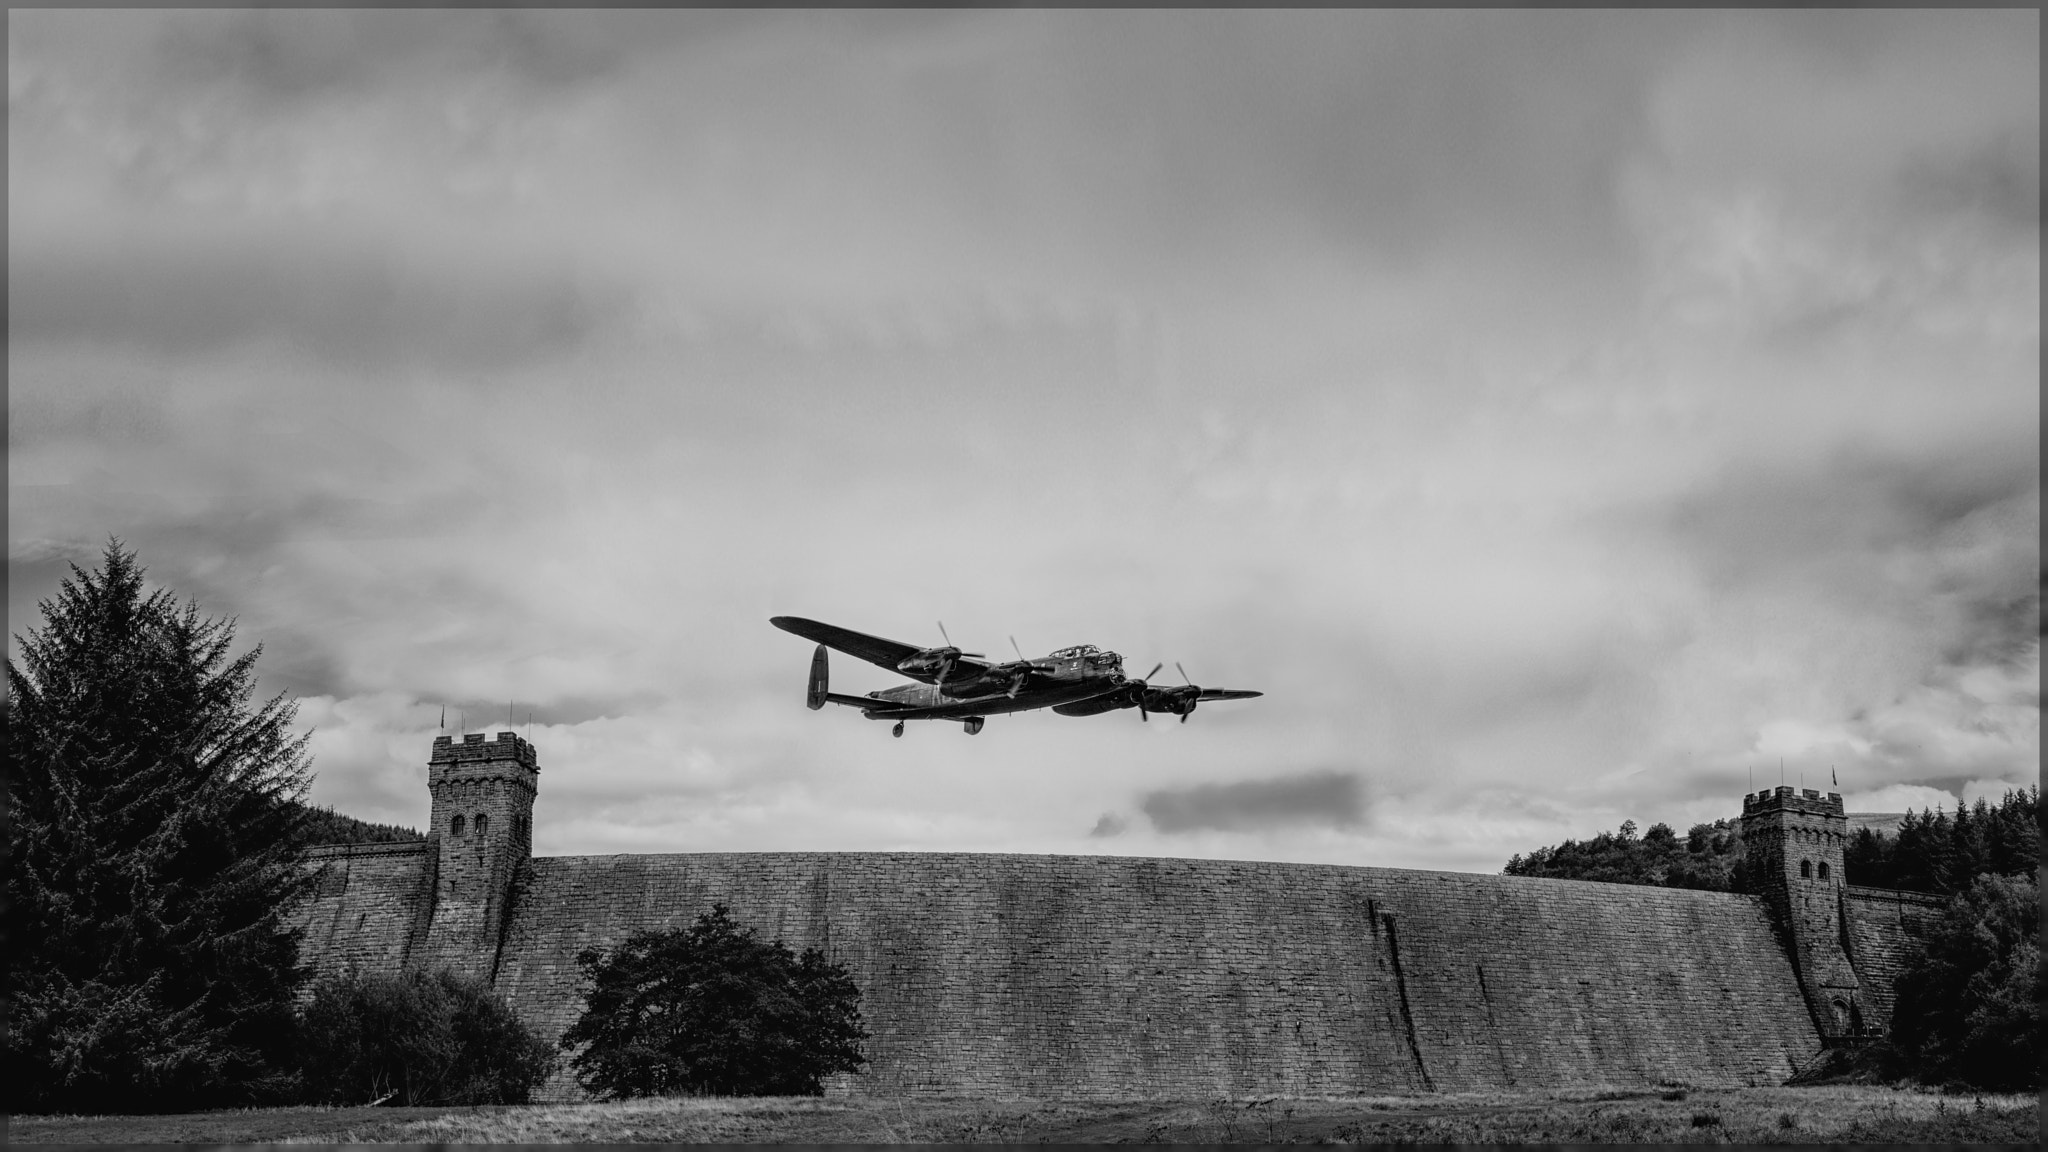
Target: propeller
[(1142, 686), (1022, 675), (1180, 699), (949, 656), (949, 644)]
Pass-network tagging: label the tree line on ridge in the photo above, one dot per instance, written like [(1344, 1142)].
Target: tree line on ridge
[(1931, 851)]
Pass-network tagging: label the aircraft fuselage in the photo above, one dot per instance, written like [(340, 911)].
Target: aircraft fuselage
[(929, 702)]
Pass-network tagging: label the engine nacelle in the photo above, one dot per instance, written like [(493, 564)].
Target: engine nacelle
[(937, 662), (1178, 701), (1011, 678)]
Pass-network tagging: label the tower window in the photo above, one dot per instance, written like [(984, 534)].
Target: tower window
[(1806, 869), (482, 822), (455, 827), (1823, 869)]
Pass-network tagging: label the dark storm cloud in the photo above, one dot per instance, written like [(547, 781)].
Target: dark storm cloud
[(310, 54), (1109, 825), (1332, 799), (1999, 177), (1372, 137), (1859, 504), (361, 300), (314, 54)]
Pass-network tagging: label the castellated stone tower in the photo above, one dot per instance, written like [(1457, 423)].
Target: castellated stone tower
[(483, 828), (1794, 840)]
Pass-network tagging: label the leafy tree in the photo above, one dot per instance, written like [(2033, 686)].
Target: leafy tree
[(148, 960), (1968, 1010), (415, 1039), (1708, 858), (713, 1011)]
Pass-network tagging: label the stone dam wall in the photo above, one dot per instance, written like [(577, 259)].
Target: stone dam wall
[(1109, 977), (1114, 977), (1885, 931), (370, 906)]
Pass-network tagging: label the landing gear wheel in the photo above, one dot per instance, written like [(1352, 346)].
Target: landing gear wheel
[(974, 725), (897, 730)]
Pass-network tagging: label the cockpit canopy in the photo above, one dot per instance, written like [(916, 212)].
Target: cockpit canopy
[(1091, 654)]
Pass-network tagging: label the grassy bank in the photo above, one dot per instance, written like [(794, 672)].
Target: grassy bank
[(1828, 1114)]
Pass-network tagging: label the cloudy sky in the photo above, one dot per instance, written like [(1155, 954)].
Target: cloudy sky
[(1559, 417)]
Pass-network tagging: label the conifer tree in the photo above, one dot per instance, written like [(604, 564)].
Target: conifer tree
[(1969, 1005), (154, 812)]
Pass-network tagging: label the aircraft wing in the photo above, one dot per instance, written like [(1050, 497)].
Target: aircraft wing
[(873, 649)]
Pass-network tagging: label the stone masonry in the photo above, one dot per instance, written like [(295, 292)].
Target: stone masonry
[(1884, 927), (482, 820), (1122, 977), (1796, 839)]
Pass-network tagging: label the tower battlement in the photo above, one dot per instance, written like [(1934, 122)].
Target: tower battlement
[(1785, 798), (474, 748)]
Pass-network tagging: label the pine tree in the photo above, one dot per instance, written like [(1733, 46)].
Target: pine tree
[(1869, 859), (154, 815)]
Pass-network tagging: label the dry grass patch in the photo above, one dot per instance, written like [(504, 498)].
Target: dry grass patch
[(1592, 1115), (1836, 1114)]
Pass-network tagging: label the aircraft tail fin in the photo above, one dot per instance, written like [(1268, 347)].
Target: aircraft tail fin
[(814, 696)]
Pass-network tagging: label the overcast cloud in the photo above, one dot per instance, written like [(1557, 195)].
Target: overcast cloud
[(1559, 416)]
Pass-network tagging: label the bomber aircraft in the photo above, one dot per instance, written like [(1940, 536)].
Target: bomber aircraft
[(953, 685)]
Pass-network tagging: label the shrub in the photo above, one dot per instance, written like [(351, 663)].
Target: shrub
[(713, 1011), (418, 1038)]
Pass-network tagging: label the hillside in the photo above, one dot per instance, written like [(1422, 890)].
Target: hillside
[(326, 826)]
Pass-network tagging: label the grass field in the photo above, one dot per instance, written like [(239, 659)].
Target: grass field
[(1827, 1115)]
